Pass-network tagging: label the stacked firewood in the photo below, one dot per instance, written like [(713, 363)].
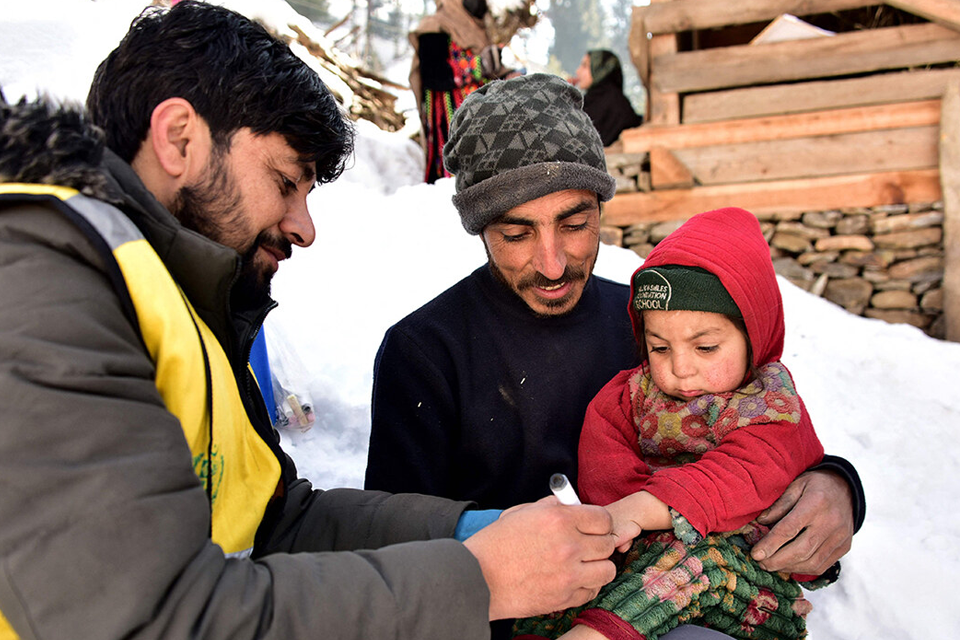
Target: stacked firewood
[(367, 97)]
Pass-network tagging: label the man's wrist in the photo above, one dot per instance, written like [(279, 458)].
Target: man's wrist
[(845, 470)]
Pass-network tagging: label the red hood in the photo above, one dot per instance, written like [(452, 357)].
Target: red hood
[(728, 243)]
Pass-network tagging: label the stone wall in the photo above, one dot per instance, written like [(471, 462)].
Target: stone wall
[(885, 262)]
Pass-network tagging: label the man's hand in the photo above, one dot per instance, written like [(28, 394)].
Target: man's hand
[(814, 525), (544, 556)]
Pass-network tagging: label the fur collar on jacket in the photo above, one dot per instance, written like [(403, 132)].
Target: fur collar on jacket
[(45, 143)]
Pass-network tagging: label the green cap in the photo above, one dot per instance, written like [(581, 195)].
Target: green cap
[(679, 288)]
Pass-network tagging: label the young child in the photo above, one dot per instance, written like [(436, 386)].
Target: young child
[(704, 435)]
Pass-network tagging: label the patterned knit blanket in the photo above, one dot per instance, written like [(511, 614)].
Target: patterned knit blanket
[(662, 583)]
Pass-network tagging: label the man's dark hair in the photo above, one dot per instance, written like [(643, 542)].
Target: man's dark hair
[(233, 72)]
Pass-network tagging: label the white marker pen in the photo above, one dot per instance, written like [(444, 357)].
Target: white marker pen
[(562, 488)]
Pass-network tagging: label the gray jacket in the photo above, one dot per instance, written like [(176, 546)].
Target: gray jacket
[(103, 522)]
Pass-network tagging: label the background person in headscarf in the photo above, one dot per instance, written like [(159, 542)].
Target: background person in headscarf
[(456, 50), (601, 78)]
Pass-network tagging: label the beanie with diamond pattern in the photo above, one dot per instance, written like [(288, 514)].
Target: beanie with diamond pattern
[(513, 141)]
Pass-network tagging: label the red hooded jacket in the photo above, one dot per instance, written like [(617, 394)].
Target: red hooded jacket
[(752, 465)]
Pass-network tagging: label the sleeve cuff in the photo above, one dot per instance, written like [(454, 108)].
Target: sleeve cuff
[(472, 521), (609, 624)]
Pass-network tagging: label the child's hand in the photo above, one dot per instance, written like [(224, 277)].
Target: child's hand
[(625, 528), (635, 513)]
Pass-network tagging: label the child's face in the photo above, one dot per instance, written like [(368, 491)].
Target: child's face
[(693, 353)]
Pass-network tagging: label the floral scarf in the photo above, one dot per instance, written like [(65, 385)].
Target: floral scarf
[(672, 432)]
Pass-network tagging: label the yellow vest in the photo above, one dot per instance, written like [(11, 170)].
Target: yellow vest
[(193, 375)]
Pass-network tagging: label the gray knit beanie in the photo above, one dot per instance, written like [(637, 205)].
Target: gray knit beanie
[(513, 141)]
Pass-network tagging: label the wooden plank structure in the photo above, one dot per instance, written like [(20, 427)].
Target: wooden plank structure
[(950, 176), (850, 120)]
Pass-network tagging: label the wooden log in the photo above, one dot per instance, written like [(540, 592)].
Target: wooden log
[(387, 82), (339, 23), (639, 46), (781, 196), (667, 172), (950, 183), (663, 107), (881, 88), (863, 152), (817, 123), (687, 15), (843, 54), (943, 12)]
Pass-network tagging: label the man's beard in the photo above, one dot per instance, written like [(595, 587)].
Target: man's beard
[(537, 279), (252, 289), (214, 209)]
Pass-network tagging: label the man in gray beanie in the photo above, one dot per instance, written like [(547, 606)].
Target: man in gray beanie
[(480, 394)]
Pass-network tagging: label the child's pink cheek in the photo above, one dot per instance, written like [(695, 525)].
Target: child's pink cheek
[(727, 376)]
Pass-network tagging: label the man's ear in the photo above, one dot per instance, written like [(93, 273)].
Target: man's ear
[(180, 139)]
